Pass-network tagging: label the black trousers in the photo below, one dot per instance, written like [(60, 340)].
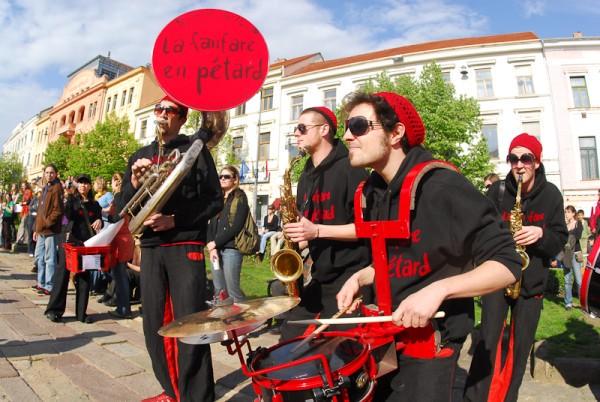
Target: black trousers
[(525, 317), (173, 282), (60, 285)]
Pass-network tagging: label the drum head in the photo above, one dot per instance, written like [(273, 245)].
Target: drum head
[(339, 351)]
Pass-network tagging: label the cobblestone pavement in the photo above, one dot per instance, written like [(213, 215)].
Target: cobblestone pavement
[(107, 360)]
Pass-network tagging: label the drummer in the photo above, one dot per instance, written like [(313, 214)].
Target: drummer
[(457, 248), (325, 202)]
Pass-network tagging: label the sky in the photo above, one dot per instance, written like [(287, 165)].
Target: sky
[(45, 40)]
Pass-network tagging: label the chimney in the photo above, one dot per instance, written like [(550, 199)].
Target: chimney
[(577, 35)]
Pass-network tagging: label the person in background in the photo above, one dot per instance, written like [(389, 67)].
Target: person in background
[(30, 221), (573, 255), (222, 230), (585, 235), (269, 228), (490, 179), (86, 215), (101, 280), (8, 208), (48, 228)]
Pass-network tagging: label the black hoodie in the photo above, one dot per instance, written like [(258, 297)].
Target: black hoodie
[(543, 207), (197, 198), (326, 196), (453, 229)]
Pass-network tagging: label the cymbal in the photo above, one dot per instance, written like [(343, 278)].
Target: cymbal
[(228, 318)]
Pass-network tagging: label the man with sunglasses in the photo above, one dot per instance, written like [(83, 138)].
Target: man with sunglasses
[(544, 234), (325, 202), (436, 242), (173, 276)]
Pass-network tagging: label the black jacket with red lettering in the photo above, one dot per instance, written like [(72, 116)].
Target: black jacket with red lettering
[(453, 229), (543, 207), (326, 196), (197, 198)]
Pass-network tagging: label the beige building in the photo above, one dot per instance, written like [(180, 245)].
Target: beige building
[(40, 142), (126, 94)]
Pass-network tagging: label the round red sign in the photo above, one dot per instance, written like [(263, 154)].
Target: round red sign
[(210, 59)]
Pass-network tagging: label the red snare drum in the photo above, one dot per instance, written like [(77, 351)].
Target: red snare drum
[(590, 282), (333, 367)]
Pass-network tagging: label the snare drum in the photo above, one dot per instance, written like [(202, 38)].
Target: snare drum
[(590, 282), (333, 367)]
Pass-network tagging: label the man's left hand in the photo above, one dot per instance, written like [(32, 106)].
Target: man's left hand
[(303, 230), (159, 222), (528, 235)]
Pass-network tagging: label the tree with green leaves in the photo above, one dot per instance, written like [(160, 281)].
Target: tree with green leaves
[(452, 122), (11, 170), (58, 153), (99, 152)]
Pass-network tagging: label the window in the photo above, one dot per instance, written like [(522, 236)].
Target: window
[(143, 128), (81, 114), (266, 99), (329, 98), (237, 145), (485, 87), (524, 80), (240, 110), (72, 117), (532, 127), (114, 105), (263, 146), (297, 102), (490, 133), (123, 96), (446, 76), (580, 93), (108, 105), (95, 106), (130, 95), (90, 110), (589, 158)]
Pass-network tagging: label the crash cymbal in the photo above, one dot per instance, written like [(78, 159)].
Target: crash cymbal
[(227, 318)]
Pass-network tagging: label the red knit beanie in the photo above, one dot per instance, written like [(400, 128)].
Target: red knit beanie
[(326, 113), (527, 141), (408, 115), (184, 109)]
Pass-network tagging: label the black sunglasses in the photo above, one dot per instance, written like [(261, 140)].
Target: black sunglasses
[(526, 159), (359, 125), (225, 177), (303, 128), (158, 109)]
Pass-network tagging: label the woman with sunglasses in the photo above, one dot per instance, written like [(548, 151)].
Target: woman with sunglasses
[(544, 234), (225, 258)]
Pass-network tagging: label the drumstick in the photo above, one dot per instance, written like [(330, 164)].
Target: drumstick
[(323, 327), (353, 320)]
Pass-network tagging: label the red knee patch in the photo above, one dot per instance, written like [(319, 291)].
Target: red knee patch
[(195, 256)]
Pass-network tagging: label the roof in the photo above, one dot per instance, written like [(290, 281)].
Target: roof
[(418, 48), (286, 62)]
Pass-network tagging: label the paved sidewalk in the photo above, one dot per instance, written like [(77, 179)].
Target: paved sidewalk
[(107, 360)]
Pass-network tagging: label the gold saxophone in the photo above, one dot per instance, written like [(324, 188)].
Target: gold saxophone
[(516, 224), (287, 264)]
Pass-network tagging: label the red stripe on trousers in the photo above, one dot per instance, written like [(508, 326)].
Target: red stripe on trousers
[(502, 375), (170, 345)]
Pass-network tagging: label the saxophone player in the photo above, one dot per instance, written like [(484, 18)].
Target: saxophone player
[(173, 276), (324, 201), (543, 234)]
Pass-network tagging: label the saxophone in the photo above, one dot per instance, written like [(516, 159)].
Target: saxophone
[(287, 264), (516, 224)]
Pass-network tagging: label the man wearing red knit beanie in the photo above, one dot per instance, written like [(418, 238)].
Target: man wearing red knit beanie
[(543, 235), (324, 202)]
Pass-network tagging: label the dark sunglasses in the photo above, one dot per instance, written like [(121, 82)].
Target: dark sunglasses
[(159, 109), (526, 159), (303, 128), (359, 125), (225, 177)]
